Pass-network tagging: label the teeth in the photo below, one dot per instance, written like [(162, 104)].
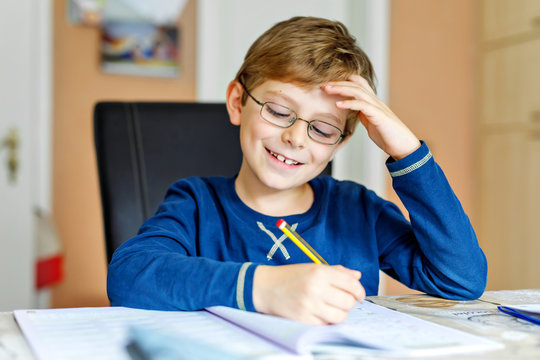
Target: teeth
[(282, 159)]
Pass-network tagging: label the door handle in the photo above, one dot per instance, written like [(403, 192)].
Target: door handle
[(11, 143)]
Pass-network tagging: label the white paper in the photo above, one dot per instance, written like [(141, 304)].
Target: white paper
[(530, 308), (102, 333), (394, 331), (368, 325)]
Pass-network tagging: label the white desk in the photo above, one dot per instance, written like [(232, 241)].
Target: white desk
[(481, 317)]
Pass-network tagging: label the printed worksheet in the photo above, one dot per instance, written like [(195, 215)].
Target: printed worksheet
[(368, 326), (103, 333), (226, 333)]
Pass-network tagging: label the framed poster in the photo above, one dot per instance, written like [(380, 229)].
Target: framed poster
[(140, 49)]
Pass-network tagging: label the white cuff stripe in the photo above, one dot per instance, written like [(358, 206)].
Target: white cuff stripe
[(240, 286), (412, 167)]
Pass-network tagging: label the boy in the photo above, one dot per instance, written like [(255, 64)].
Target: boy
[(297, 98)]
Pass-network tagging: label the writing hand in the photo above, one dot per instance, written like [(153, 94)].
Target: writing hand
[(383, 127), (312, 293)]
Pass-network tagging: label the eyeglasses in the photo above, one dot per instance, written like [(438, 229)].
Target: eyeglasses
[(279, 115)]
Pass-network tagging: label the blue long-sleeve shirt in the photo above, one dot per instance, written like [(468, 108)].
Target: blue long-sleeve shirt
[(203, 245)]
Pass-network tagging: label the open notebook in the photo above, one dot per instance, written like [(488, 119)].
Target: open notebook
[(104, 333)]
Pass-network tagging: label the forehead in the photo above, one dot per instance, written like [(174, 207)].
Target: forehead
[(285, 88)]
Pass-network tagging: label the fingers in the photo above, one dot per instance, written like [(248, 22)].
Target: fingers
[(346, 288), (364, 107), (355, 273), (354, 80), (341, 300), (360, 80), (316, 294), (319, 311), (350, 90), (349, 281), (358, 97), (353, 83), (346, 291), (384, 128), (340, 297), (332, 315)]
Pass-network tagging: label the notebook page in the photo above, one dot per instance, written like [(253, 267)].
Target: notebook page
[(369, 326), (293, 335), (398, 332), (102, 333)]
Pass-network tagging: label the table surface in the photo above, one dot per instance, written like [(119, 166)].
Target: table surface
[(480, 317)]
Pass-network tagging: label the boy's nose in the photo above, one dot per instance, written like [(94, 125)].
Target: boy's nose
[(296, 135)]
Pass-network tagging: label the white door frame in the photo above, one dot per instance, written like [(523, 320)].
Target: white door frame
[(26, 91), (44, 106)]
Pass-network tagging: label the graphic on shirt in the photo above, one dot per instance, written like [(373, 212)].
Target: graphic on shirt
[(277, 242)]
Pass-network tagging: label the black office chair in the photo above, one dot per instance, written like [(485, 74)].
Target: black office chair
[(142, 148)]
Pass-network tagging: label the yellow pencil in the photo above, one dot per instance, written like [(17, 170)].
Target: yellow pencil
[(301, 243)]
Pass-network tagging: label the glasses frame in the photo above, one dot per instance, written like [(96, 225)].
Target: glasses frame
[(296, 117)]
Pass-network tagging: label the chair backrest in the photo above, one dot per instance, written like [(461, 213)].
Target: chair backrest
[(142, 148)]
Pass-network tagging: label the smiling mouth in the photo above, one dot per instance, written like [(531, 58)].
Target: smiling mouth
[(283, 158)]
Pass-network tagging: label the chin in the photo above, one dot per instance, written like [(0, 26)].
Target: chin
[(277, 182)]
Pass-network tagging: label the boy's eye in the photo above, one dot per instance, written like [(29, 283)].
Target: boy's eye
[(321, 129), (277, 111)]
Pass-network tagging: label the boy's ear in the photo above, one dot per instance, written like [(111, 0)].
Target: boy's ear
[(234, 102)]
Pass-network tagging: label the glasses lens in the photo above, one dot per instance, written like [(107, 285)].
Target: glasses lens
[(324, 132), (277, 114)]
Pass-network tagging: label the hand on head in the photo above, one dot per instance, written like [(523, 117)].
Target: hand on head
[(383, 126)]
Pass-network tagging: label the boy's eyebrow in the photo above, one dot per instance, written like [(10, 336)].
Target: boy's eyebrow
[(294, 103)]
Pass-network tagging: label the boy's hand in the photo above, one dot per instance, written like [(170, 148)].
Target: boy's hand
[(383, 126), (312, 293)]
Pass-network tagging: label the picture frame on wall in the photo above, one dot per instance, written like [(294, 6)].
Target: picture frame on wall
[(95, 12), (140, 49)]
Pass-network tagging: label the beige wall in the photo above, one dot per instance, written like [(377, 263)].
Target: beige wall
[(78, 85), (432, 77)]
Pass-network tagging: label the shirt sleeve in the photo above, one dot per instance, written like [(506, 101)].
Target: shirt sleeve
[(438, 252), (161, 269)]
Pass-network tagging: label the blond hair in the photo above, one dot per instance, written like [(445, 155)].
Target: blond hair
[(306, 51)]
